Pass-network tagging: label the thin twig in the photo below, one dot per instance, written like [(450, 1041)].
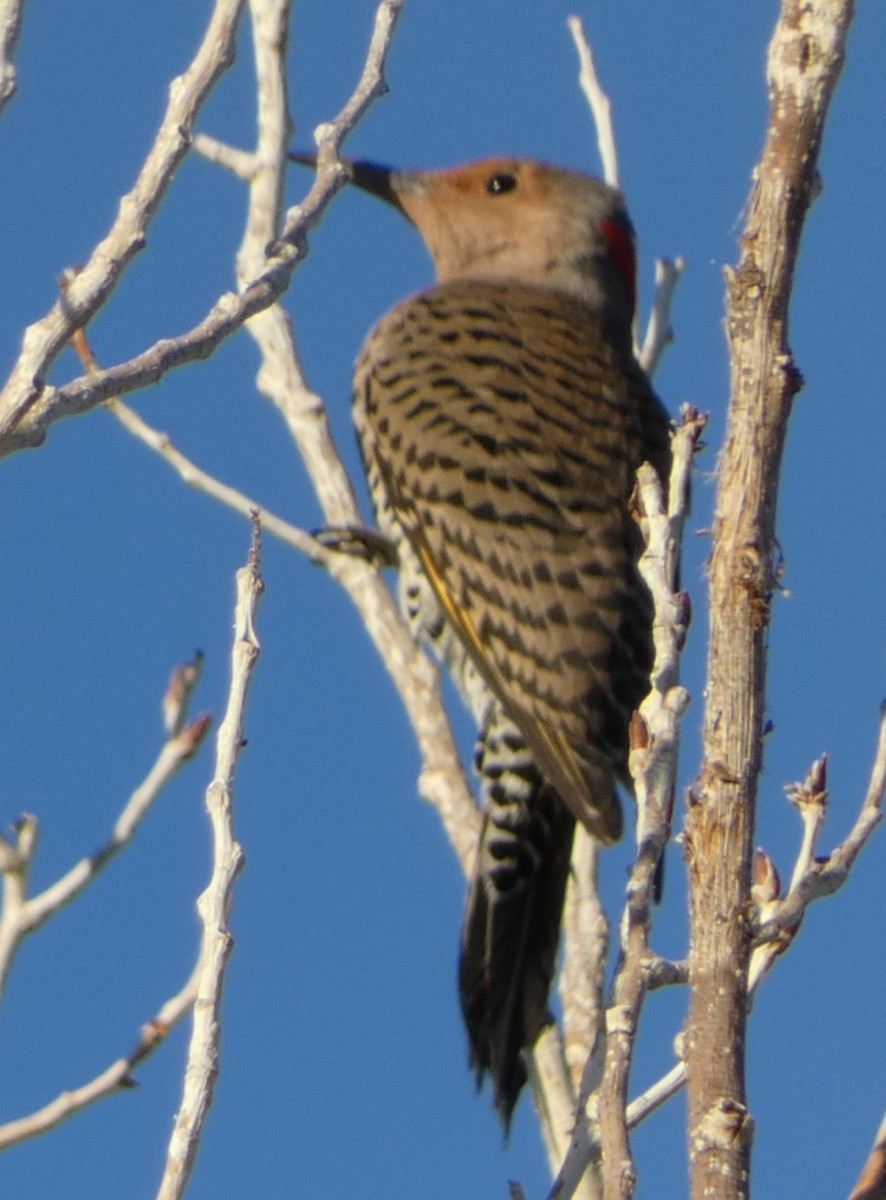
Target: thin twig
[(281, 378), (780, 916), (21, 915), (242, 163), (214, 905), (814, 878), (233, 498), (10, 27), (183, 679), (653, 766), (116, 1077), (26, 406), (584, 955), (871, 1183), (653, 761), (598, 101), (585, 923), (553, 1091), (583, 977), (659, 333), (810, 798)]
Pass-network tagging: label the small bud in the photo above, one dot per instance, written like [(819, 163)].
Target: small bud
[(812, 791), (684, 609), (682, 617), (818, 774), (767, 885), (152, 1031), (668, 806), (638, 732), (182, 682), (635, 505), (192, 735)]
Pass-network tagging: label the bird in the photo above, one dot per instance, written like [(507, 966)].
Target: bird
[(501, 417)]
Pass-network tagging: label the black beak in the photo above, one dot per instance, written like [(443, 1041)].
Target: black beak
[(383, 182)]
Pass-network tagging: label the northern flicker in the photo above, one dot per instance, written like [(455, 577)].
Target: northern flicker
[(502, 417)]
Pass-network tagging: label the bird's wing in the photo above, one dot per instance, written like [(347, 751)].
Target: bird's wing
[(507, 441)]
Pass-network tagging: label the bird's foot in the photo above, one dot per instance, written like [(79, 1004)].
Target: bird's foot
[(367, 544)]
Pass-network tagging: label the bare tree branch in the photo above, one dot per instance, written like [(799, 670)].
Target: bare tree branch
[(871, 1183), (183, 679), (214, 904), (805, 57), (21, 914), (659, 333), (653, 766), (598, 102), (812, 877), (116, 1077), (583, 975), (242, 163), (585, 923), (195, 477), (553, 1094), (778, 922), (10, 28), (25, 405), (281, 378), (442, 781)]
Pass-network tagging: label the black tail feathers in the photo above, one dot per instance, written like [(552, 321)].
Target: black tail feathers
[(511, 934)]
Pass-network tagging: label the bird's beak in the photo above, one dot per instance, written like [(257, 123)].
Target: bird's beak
[(386, 183)]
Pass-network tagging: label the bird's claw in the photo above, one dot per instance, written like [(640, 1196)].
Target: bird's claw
[(367, 544)]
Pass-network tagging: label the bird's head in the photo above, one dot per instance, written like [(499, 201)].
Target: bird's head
[(518, 219)]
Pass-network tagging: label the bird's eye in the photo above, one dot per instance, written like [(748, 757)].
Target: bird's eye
[(501, 182)]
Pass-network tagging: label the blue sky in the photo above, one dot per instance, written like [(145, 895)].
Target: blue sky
[(343, 1059)]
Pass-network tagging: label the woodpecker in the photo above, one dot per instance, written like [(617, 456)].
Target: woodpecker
[(502, 417)]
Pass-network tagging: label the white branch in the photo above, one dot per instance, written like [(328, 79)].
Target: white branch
[(810, 800), (552, 1091), (659, 333), (116, 1077), (601, 109), (195, 477), (585, 1146), (10, 27), (814, 878), (582, 979), (281, 379), (242, 163), (21, 915), (652, 763), (24, 399), (28, 408), (214, 904), (871, 1183)]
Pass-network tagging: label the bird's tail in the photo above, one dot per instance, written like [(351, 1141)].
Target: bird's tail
[(512, 921)]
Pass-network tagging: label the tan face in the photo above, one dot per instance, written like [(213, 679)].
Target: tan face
[(506, 218)]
